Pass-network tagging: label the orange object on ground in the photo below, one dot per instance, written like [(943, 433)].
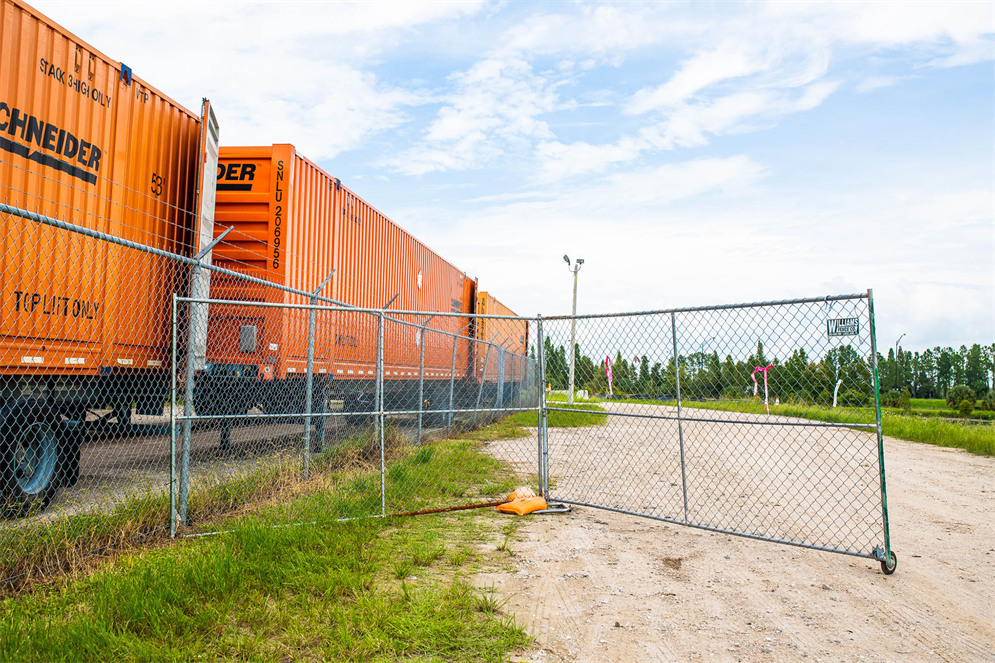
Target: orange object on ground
[(523, 506)]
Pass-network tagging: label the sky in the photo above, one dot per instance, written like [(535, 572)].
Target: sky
[(691, 153)]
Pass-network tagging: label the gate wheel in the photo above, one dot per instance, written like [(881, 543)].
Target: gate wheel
[(888, 569)]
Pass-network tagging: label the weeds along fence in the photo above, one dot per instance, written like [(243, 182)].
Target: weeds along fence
[(147, 392), (759, 420)]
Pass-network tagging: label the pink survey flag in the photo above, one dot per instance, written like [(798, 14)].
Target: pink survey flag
[(761, 369), (608, 371)]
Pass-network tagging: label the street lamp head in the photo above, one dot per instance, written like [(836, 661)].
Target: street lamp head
[(566, 258), (580, 261)]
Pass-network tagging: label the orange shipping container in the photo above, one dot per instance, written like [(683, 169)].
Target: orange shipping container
[(85, 324), (294, 224), (510, 335), (85, 140)]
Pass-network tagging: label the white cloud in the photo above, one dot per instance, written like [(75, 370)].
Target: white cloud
[(950, 33), (604, 31), (494, 109), (558, 160), (691, 124), (701, 71), (286, 72)]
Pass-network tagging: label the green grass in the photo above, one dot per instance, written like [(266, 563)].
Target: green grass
[(977, 439), (367, 590), (928, 404), (925, 426), (937, 407), (560, 419)]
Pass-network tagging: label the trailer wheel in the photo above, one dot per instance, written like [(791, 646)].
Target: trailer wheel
[(29, 458), (358, 402)]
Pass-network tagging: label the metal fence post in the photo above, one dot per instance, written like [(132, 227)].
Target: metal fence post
[(172, 423), (483, 376), (381, 422), (452, 387), (680, 421), (196, 318), (499, 404), (421, 379), (309, 396), (543, 446), (880, 434)]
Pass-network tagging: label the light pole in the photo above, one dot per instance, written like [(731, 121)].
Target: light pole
[(896, 359), (573, 325), (701, 352)]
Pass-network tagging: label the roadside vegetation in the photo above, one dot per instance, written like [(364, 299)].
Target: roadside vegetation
[(362, 589), (355, 591), (367, 589)]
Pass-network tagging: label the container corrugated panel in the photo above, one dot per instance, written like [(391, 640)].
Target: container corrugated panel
[(294, 224), (84, 142), (512, 335)]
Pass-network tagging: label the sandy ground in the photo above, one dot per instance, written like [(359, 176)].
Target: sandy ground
[(595, 585)]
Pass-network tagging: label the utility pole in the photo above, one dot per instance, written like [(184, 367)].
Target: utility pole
[(573, 325), (896, 359)]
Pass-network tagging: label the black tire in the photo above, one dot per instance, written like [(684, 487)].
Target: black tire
[(206, 402), (122, 412), (30, 467), (889, 569), (358, 402)]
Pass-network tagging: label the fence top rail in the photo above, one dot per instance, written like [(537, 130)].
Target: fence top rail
[(96, 234), (389, 314), (717, 307)]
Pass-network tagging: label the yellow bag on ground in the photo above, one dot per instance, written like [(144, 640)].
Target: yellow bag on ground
[(523, 506)]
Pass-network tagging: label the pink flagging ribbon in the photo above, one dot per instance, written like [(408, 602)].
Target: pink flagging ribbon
[(755, 385), (608, 370)]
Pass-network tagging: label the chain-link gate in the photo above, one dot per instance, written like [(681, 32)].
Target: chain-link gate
[(759, 420)]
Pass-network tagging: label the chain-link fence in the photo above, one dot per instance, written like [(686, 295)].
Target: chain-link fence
[(758, 420), (147, 392), (300, 401), (128, 412)]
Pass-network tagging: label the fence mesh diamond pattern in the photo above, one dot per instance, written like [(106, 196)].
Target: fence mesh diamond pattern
[(757, 420), (145, 391)]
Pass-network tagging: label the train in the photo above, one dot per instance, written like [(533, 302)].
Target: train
[(85, 323)]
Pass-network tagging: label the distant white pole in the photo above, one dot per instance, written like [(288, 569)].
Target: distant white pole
[(573, 326)]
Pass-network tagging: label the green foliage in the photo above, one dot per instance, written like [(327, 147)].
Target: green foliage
[(965, 407), (897, 398), (932, 372), (988, 402), (959, 393)]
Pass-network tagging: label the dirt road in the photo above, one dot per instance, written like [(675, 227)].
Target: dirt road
[(595, 585)]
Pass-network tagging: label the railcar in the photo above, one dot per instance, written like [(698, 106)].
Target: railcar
[(502, 349), (294, 226), (85, 139)]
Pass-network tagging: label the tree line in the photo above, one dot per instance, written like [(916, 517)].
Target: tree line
[(934, 372), (799, 377)]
